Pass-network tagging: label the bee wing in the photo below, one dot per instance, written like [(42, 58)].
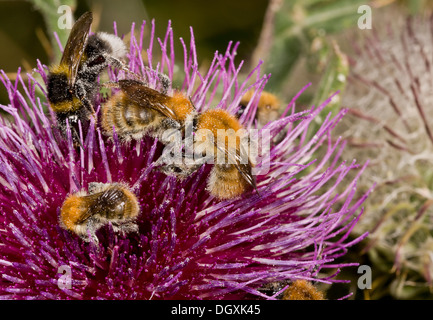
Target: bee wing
[(244, 169), (90, 199), (75, 45), (147, 97), (101, 202)]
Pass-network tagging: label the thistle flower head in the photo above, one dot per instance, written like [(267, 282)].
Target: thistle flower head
[(189, 244), (390, 97)]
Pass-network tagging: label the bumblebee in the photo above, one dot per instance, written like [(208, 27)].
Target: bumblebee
[(302, 290), (84, 212), (268, 109), (73, 83), (137, 110), (231, 174)]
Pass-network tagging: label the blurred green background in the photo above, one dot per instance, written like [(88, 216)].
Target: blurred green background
[(26, 27), (293, 37)]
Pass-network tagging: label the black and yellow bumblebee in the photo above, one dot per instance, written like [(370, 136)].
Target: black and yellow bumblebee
[(73, 83)]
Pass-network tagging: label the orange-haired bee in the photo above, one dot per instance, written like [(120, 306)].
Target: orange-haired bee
[(302, 290), (231, 174), (137, 110), (84, 212), (73, 83), (268, 107)]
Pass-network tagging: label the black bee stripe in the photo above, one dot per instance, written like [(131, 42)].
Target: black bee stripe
[(58, 88)]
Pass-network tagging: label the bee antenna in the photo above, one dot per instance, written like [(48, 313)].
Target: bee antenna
[(193, 105)]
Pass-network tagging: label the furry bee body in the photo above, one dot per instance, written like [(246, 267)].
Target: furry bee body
[(73, 83), (233, 176), (84, 212), (268, 107), (137, 110)]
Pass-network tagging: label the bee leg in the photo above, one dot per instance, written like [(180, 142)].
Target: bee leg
[(167, 128), (189, 162), (180, 171), (90, 238), (77, 138), (163, 79), (116, 63), (95, 187), (174, 171), (81, 92), (92, 226), (165, 82), (280, 136), (192, 103), (125, 227), (170, 124), (72, 119)]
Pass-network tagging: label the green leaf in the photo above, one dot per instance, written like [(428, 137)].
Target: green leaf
[(294, 24), (333, 80), (51, 13)]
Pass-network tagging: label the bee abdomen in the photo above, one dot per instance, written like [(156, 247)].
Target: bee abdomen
[(111, 204), (126, 118), (58, 88), (60, 94), (118, 203), (137, 116), (225, 182)]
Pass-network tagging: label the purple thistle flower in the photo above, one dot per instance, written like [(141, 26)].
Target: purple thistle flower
[(189, 245)]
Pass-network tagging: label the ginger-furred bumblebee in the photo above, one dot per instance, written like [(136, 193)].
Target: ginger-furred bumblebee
[(137, 110), (268, 107), (268, 110), (222, 131), (85, 211)]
